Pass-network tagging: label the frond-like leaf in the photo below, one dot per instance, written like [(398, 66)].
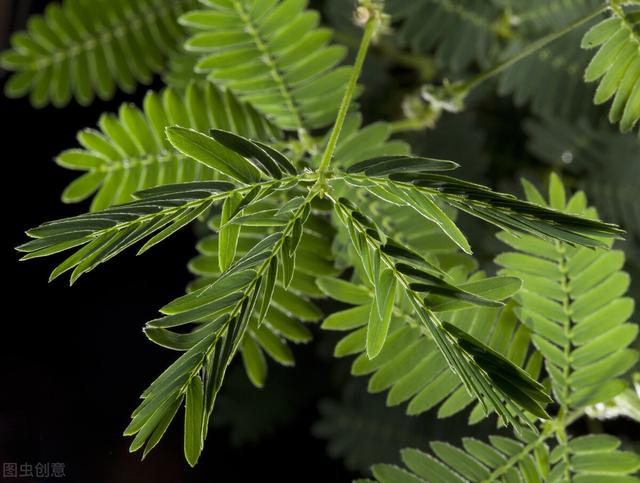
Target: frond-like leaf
[(104, 234), (573, 303), (87, 47), (541, 17), (409, 366), (603, 160), (161, 210), (130, 152), (412, 182), (591, 458), (616, 65), (480, 369), (273, 56), (285, 310), (360, 430), (500, 459), (219, 314), (460, 32)]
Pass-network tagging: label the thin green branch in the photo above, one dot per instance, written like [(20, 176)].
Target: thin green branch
[(422, 64), (370, 28), (568, 324), (528, 50)]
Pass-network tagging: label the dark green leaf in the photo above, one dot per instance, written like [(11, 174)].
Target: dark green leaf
[(248, 149), (381, 311), (211, 153), (193, 421), (394, 164)]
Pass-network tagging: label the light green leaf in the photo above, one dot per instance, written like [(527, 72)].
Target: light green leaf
[(193, 421), (229, 233), (269, 286), (254, 361), (344, 291), (381, 312)]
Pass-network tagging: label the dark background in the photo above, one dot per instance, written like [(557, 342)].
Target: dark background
[(74, 360)]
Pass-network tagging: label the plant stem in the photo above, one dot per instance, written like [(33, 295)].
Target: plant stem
[(369, 30), (529, 49), (422, 64)]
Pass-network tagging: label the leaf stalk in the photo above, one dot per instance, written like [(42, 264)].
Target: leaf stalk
[(369, 30)]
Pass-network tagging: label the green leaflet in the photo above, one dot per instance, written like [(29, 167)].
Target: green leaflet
[(269, 161), (343, 291), (228, 235), (425, 205), (385, 165), (269, 287), (193, 421), (288, 262), (381, 310), (493, 288), (254, 361), (212, 154), (491, 384)]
